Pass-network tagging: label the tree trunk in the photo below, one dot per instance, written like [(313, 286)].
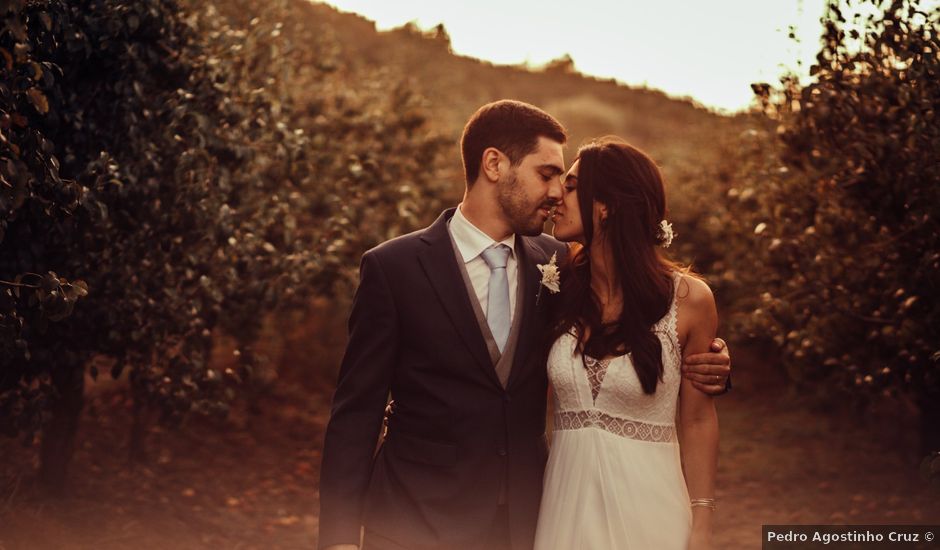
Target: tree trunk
[(58, 437), (137, 448)]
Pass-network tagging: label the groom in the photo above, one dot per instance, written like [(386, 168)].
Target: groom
[(447, 320)]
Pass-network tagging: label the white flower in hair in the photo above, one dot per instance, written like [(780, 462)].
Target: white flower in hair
[(665, 234)]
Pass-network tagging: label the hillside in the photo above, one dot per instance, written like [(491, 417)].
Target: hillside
[(679, 134)]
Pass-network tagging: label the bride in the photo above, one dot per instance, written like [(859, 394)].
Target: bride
[(623, 472)]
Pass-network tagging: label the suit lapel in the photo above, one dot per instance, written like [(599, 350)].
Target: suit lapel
[(529, 336), (440, 266)]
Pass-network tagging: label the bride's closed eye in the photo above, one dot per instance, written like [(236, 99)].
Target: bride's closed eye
[(571, 183)]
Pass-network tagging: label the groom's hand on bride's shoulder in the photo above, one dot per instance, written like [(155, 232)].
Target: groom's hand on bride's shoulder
[(710, 372)]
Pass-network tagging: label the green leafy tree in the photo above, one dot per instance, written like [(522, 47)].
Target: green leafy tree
[(197, 194), (838, 213)]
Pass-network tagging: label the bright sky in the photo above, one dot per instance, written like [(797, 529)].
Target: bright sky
[(710, 50)]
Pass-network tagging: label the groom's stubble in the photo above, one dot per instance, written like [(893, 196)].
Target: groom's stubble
[(523, 216)]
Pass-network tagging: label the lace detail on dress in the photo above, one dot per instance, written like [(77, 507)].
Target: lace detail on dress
[(624, 427), (621, 395), (595, 373), (668, 325)]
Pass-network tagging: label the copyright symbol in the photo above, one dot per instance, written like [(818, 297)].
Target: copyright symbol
[(928, 536)]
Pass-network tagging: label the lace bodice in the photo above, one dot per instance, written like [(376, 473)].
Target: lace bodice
[(595, 373), (608, 395)]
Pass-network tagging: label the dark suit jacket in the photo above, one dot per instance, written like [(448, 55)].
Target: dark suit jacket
[(458, 442)]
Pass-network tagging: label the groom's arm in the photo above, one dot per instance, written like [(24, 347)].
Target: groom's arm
[(358, 406)]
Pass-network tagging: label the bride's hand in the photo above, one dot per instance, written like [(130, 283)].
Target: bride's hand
[(701, 539)]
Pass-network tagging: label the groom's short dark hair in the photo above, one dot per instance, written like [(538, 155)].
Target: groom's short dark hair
[(511, 126)]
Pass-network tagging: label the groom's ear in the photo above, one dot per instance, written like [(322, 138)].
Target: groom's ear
[(493, 163)]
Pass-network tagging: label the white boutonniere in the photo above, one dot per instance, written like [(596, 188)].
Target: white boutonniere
[(551, 276)]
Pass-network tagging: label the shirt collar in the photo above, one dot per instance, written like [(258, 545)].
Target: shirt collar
[(471, 241)]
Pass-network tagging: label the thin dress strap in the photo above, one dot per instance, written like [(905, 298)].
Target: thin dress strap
[(671, 320)]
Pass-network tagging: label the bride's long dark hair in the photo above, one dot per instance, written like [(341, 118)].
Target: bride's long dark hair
[(630, 184)]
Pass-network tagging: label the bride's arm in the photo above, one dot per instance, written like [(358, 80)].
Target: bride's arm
[(698, 421)]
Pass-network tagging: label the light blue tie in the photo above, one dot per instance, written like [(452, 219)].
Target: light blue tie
[(497, 306)]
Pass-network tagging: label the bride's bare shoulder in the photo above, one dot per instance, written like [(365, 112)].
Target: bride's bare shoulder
[(694, 291), (695, 303), (695, 307)]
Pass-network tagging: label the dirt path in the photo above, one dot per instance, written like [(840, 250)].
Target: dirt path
[(250, 486), (253, 485), (783, 463)]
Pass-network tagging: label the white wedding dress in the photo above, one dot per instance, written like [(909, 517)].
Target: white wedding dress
[(614, 477)]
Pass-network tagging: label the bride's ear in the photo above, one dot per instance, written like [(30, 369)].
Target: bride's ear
[(601, 213)]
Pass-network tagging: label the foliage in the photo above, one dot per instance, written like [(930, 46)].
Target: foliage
[(196, 192), (34, 199), (838, 223), (369, 166)]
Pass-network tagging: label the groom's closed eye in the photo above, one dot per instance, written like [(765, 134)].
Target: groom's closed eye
[(548, 177), (549, 171)]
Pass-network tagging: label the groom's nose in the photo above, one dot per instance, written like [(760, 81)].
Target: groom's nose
[(556, 190)]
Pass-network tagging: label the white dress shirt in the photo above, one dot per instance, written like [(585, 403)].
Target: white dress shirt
[(471, 242)]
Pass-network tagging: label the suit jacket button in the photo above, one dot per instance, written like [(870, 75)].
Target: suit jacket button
[(506, 398), (501, 451)]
